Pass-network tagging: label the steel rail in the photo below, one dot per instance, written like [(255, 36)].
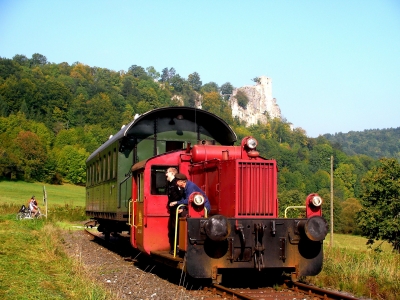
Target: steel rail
[(323, 293), (231, 292), (309, 292)]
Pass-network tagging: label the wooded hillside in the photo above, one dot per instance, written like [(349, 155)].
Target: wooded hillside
[(376, 143)]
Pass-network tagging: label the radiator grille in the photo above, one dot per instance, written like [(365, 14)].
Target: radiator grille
[(257, 188)]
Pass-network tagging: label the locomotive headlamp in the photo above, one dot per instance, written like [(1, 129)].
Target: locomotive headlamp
[(251, 143), (316, 201), (198, 200)]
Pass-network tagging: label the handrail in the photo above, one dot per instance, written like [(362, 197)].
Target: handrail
[(176, 226), (120, 184), (129, 213), (303, 206), (133, 213), (132, 224)]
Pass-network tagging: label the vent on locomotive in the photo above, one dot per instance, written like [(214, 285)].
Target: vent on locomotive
[(257, 190)]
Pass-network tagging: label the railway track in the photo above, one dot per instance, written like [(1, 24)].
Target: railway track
[(289, 290)]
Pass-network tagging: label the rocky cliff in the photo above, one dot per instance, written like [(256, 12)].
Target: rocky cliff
[(261, 106)]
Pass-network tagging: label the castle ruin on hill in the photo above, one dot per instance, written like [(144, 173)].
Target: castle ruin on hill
[(261, 106)]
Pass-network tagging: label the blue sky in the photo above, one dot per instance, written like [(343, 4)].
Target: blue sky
[(335, 65)]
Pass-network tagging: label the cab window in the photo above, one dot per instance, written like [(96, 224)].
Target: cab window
[(159, 180)]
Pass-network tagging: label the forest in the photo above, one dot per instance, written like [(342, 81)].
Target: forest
[(53, 115), (376, 143)]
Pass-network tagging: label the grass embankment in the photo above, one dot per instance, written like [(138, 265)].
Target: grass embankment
[(348, 265), (34, 266)]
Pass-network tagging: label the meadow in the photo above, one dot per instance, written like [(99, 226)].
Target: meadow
[(349, 265), (19, 192)]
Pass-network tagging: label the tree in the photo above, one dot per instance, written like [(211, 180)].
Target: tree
[(93, 136), (8, 67), (55, 99), (31, 154), (66, 137), (213, 103), (177, 82), (280, 130), (226, 89), (345, 172), (128, 86), (151, 72), (21, 59), (194, 81), (71, 164), (101, 111), (379, 218), (210, 87), (14, 91), (319, 157), (38, 59), (166, 74), (350, 207), (171, 72), (3, 107), (137, 71), (77, 111), (104, 80), (24, 108), (82, 77)]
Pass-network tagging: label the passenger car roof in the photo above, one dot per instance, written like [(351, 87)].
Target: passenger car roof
[(221, 132)]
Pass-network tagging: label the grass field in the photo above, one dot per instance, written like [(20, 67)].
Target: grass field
[(353, 242), (19, 192)]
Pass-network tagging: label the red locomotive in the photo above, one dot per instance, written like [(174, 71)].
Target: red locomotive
[(241, 231)]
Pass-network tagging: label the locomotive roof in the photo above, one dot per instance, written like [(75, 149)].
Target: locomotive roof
[(220, 130)]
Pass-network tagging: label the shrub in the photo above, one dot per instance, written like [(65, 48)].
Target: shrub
[(242, 99)]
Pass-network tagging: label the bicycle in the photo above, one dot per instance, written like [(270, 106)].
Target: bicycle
[(26, 213)]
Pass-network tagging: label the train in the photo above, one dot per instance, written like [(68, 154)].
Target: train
[(126, 191)]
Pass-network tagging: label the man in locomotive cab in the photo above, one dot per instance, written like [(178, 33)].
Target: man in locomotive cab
[(174, 194), (189, 187)]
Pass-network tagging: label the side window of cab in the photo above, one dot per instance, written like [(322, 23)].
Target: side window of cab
[(158, 180)]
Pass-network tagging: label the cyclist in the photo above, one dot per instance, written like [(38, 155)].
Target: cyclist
[(33, 206)]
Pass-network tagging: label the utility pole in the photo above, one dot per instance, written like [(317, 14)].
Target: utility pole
[(331, 244)]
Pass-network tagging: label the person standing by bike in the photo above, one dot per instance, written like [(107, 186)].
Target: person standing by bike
[(33, 206)]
